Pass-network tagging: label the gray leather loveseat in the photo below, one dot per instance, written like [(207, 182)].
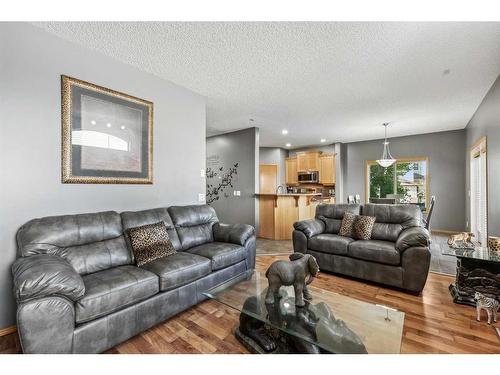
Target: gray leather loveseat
[(78, 290), (396, 255)]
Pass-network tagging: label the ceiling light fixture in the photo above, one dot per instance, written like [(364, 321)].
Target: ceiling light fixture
[(288, 144), (386, 160), (108, 125), (284, 132), (93, 122), (322, 140)]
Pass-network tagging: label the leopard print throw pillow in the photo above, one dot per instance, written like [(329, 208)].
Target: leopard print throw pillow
[(363, 226), (150, 242), (347, 226)]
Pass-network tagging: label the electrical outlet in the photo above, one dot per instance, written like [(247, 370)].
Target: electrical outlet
[(201, 197), (238, 193)]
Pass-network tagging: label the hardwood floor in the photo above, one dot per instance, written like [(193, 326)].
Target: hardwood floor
[(433, 323)]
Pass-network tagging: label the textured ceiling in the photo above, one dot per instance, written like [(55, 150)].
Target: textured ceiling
[(332, 80)]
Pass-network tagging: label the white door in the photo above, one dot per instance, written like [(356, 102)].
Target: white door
[(478, 193)]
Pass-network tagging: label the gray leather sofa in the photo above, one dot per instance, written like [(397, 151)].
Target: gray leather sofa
[(78, 290), (397, 254)]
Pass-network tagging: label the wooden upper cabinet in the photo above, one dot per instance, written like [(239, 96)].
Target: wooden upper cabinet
[(327, 169), (308, 161), (291, 171)]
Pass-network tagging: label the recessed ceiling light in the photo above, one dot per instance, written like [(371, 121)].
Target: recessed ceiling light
[(92, 122), (322, 140), (284, 132), (108, 125), (122, 127), (288, 145)]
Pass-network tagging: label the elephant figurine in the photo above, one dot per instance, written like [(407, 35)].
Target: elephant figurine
[(299, 272)]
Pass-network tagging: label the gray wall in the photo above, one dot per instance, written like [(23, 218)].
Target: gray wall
[(225, 150), (31, 62), (275, 155), (486, 122), (446, 166)]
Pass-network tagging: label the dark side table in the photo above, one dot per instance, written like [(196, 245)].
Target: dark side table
[(478, 270)]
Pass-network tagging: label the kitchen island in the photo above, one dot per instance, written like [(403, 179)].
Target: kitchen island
[(278, 212)]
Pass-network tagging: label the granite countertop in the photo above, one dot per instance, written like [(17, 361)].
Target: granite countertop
[(288, 195)]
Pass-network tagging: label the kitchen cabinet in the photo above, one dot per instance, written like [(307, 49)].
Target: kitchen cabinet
[(308, 161), (327, 169), (291, 171)]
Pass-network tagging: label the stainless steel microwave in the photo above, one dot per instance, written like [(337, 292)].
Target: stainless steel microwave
[(309, 177)]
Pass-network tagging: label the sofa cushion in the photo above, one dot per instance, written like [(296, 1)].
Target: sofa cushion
[(194, 224), (330, 243), (113, 289), (222, 254), (150, 242), (179, 269), (375, 251), (347, 225), (332, 214), (131, 219), (392, 219), (363, 226), (89, 242)]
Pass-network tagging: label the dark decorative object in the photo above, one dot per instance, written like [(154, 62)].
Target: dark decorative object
[(226, 180), (150, 242), (491, 306), (474, 275), (299, 272), (461, 240), (107, 136), (315, 322)]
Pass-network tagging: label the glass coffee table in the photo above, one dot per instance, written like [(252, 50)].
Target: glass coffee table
[(478, 270), (329, 323)]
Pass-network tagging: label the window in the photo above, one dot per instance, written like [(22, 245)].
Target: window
[(406, 181)]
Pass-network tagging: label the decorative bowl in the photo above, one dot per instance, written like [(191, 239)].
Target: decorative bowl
[(494, 243)]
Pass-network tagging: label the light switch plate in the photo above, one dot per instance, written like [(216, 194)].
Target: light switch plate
[(201, 197), (202, 173), (238, 193)]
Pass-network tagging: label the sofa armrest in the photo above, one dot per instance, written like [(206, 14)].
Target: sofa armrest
[(413, 237), (415, 262), (44, 275), (233, 233), (310, 227)]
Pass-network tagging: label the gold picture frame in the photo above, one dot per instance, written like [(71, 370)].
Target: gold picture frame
[(100, 150)]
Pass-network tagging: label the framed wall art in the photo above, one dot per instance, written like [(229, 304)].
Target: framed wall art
[(107, 136)]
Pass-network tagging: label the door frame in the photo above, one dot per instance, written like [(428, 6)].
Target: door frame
[(480, 146)]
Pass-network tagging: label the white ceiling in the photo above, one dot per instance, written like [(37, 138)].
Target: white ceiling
[(331, 80)]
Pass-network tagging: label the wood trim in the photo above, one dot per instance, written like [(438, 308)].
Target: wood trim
[(403, 160), (8, 330), (478, 143), (480, 146)]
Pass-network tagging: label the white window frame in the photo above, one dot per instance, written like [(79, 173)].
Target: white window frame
[(478, 191)]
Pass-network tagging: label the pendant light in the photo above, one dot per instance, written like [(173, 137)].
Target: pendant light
[(386, 160)]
